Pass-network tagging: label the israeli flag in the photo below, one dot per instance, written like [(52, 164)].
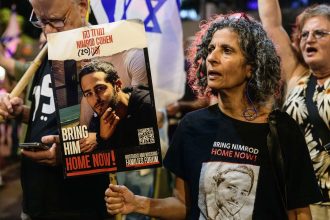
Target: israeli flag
[(165, 41)]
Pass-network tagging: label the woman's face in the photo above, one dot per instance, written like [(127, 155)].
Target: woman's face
[(226, 65), (315, 42)]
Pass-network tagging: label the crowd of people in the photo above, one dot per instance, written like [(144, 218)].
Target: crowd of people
[(236, 158), (13, 57)]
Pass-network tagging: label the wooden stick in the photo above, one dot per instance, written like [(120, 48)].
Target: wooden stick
[(157, 176), (113, 180), (28, 75)]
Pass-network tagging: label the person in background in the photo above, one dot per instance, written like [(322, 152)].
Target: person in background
[(16, 50), (5, 128), (236, 61), (306, 73), (46, 194), (190, 101), (16, 67)]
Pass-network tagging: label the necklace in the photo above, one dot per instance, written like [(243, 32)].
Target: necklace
[(250, 114)]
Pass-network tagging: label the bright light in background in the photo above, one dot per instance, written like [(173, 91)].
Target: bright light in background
[(189, 14), (252, 5), (2, 73), (299, 3)]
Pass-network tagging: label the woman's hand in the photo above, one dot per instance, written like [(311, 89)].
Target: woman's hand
[(119, 199)]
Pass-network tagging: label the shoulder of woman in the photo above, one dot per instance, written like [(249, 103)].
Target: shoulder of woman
[(299, 77)]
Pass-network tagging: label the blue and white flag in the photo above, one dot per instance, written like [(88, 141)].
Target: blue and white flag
[(165, 42)]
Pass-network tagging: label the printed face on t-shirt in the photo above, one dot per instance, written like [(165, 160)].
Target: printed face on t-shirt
[(227, 190), (232, 191)]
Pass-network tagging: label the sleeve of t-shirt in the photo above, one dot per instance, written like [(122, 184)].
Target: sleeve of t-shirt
[(137, 67), (173, 160), (302, 188)]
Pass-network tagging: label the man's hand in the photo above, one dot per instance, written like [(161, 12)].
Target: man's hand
[(173, 108), (224, 214), (88, 144), (160, 118), (49, 157), (10, 107), (119, 199), (108, 123)]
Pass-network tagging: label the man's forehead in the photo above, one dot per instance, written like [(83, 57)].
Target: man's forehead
[(50, 7), (46, 2), (94, 76)]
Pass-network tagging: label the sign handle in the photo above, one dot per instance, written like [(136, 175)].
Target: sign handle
[(113, 180)]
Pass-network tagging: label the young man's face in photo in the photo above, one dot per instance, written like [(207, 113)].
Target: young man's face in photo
[(99, 94), (233, 191)]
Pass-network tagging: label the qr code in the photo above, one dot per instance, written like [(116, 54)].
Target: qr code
[(146, 136)]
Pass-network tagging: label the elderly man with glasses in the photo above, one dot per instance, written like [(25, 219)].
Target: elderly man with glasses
[(46, 194)]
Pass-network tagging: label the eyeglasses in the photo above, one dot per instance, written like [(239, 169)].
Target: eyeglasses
[(317, 34), (55, 23)]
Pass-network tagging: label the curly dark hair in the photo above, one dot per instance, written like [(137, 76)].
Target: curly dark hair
[(111, 74), (257, 49)]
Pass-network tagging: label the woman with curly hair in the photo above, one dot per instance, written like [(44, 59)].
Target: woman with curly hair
[(233, 59)]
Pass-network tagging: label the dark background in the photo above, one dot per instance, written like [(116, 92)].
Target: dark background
[(23, 8)]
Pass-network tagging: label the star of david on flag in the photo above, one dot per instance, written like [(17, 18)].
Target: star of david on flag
[(165, 42)]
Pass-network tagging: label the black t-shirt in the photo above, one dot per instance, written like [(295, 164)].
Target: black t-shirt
[(46, 194), (226, 165)]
